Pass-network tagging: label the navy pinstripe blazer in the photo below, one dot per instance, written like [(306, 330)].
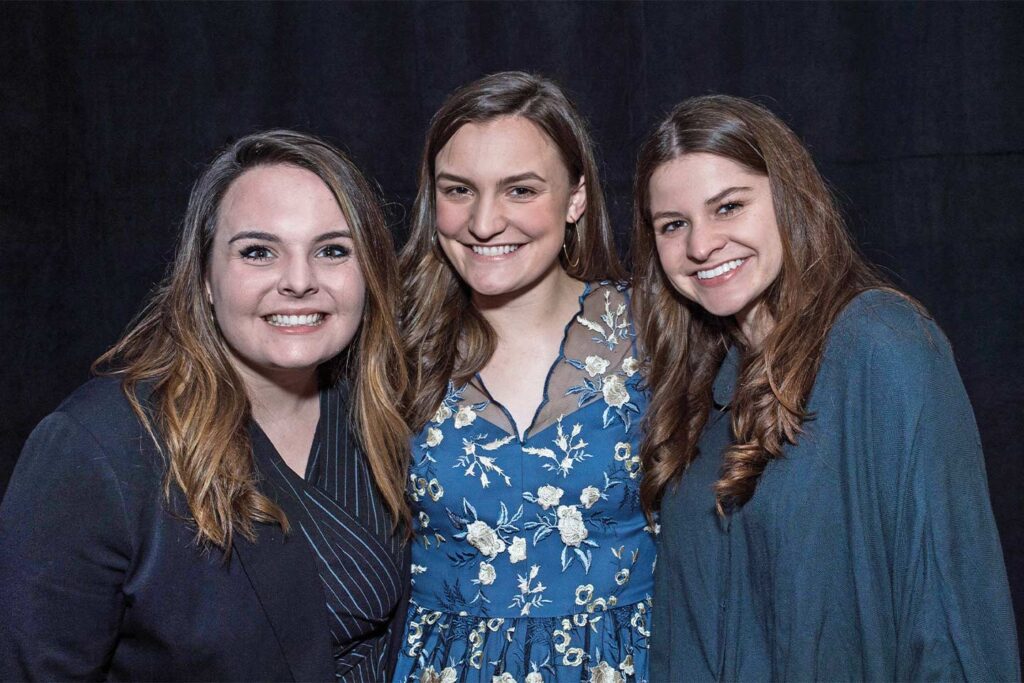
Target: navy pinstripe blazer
[(98, 580)]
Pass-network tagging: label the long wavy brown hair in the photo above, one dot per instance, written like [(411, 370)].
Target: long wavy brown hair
[(446, 337), (197, 410), (685, 346)]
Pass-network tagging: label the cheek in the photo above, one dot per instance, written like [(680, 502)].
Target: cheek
[(671, 254), (350, 293), (450, 218)]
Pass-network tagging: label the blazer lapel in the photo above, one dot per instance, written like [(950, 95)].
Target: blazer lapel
[(283, 573)]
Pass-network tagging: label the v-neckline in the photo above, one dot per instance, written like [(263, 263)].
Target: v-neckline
[(523, 437), (314, 447)]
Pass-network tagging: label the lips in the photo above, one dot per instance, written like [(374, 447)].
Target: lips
[(305, 320)]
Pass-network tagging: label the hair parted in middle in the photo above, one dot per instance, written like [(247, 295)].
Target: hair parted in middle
[(446, 338), (685, 345), (198, 411)]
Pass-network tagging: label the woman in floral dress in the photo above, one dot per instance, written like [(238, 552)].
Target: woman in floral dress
[(532, 560)]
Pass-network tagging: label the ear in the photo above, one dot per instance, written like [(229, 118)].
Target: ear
[(577, 202)]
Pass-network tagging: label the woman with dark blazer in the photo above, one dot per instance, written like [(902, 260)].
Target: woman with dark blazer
[(226, 503)]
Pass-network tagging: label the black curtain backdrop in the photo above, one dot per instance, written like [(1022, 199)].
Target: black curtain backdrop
[(913, 111)]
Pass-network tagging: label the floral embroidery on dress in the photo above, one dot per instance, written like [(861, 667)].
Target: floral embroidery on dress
[(533, 561)]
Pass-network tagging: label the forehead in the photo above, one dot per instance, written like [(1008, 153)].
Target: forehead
[(279, 194), (499, 147), (695, 177)]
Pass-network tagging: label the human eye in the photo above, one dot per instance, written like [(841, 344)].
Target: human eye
[(255, 252), (456, 191), (522, 192), (671, 226), (335, 251), (728, 208)]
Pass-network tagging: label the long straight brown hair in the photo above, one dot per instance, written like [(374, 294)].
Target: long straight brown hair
[(198, 411), (685, 346), (446, 338)]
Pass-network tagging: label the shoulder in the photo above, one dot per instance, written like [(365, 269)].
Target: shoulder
[(94, 423), (100, 407), (885, 327)]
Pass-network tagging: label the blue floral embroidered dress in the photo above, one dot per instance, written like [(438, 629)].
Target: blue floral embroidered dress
[(532, 560)]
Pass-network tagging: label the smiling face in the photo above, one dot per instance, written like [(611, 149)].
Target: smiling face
[(283, 277), (717, 236), (503, 197)]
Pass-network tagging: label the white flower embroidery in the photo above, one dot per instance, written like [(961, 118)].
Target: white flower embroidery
[(435, 490), (434, 436), (534, 677), (484, 539), (430, 675), (604, 673), (573, 656), (530, 594), (584, 593), (595, 365), (517, 551), (589, 496), (614, 389), (417, 569), (549, 496), (505, 677), (486, 575), (623, 451), (630, 365), (622, 576), (466, 416), (570, 525), (442, 414), (627, 665)]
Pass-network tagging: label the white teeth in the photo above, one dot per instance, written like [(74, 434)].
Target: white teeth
[(295, 320), (719, 270), (495, 251)]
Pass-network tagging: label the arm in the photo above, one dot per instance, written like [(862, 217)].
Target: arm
[(953, 615), (63, 556)]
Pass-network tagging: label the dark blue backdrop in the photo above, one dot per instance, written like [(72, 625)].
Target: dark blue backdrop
[(108, 111)]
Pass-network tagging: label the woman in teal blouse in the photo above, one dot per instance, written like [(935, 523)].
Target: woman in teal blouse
[(823, 502)]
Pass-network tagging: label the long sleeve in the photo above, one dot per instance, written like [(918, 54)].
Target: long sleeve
[(953, 614), (64, 551)]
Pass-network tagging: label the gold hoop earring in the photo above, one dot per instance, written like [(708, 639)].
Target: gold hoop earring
[(565, 247)]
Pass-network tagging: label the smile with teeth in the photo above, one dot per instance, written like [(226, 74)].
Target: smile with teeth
[(720, 270), (499, 250), (312, 319)]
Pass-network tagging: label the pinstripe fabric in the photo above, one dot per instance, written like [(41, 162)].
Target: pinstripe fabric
[(359, 560)]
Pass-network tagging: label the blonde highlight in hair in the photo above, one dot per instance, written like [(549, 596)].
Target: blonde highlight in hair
[(685, 346), (446, 337), (197, 410)]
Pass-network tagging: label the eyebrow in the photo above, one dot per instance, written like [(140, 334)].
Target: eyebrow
[(507, 180), (725, 193), (271, 237), (666, 214)]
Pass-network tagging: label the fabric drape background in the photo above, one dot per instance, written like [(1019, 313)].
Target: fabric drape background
[(108, 111)]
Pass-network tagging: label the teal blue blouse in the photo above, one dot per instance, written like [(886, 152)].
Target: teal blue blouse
[(869, 552)]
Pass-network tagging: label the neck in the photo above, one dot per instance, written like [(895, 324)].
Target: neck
[(542, 305), (275, 396)]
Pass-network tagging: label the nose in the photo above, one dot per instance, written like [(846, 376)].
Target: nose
[(703, 241), (487, 220), (298, 278)]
